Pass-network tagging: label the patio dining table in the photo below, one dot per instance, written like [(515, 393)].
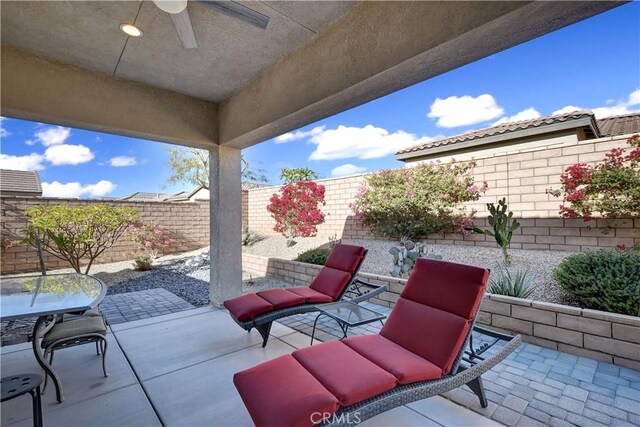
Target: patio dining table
[(47, 297)]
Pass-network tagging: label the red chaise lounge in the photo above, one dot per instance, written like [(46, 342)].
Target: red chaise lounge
[(416, 355), (331, 284)]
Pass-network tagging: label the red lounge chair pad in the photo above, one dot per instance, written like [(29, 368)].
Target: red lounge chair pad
[(310, 295), (281, 392), (432, 334), (346, 374), (281, 298), (247, 307), (330, 282), (407, 367), (345, 258)]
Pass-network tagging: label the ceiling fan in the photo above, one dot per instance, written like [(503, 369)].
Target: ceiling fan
[(177, 9)]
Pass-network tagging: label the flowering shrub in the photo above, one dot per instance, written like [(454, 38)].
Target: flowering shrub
[(610, 188), (151, 242), (415, 201), (296, 210)]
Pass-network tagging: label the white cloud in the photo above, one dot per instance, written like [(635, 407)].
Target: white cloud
[(30, 162), (630, 105), (53, 135), (369, 142), (75, 189), (293, 136), (3, 132), (347, 169), (465, 110), (122, 161), (66, 154), (528, 114), (30, 142)]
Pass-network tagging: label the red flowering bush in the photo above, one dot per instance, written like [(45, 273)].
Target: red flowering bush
[(610, 189), (415, 201), (296, 209)]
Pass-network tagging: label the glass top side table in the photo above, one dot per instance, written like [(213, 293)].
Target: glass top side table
[(347, 314)]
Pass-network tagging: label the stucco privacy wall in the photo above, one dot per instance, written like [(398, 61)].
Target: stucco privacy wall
[(186, 223), (521, 175), (609, 337)]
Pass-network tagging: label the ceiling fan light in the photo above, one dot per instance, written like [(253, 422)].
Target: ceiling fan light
[(171, 6), (131, 30)]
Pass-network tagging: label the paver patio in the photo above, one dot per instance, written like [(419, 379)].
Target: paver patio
[(176, 369)]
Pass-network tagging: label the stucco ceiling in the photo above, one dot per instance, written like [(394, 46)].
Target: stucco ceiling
[(230, 53)]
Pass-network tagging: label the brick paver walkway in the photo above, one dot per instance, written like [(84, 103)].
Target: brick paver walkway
[(534, 386), (120, 308)]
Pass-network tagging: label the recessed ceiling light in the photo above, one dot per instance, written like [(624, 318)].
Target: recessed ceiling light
[(131, 30)]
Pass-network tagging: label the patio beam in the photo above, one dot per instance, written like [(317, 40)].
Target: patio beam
[(225, 216), (379, 47), (42, 90)]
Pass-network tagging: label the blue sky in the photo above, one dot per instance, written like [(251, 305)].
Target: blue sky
[(593, 64)]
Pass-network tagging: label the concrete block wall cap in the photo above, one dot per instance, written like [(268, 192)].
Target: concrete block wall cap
[(558, 308), (510, 300), (612, 317)]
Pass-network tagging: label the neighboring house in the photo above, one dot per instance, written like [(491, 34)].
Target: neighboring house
[(528, 134), (20, 183), (199, 193)]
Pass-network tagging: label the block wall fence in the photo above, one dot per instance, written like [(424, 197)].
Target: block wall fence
[(609, 337), (186, 223), (520, 176)]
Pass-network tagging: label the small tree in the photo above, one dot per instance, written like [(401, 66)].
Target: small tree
[(297, 174), (191, 165), (415, 201), (77, 233), (296, 210), (150, 240), (610, 189)]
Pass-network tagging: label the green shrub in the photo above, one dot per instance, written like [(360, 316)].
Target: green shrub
[(316, 256), (518, 284), (606, 280)]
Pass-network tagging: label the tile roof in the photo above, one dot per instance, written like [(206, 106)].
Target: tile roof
[(251, 185), (502, 129), (619, 125), (145, 197), (20, 182)]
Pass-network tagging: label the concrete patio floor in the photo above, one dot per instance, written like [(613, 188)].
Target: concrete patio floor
[(176, 370)]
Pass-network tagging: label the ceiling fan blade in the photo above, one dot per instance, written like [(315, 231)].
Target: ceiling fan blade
[(238, 11), (184, 29)]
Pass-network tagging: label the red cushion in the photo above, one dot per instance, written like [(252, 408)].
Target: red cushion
[(330, 282), (455, 288), (345, 257), (407, 367), (281, 298), (346, 374), (310, 295), (281, 392), (430, 333), (247, 307)]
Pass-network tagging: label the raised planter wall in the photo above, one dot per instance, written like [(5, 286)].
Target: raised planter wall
[(520, 175), (608, 337)]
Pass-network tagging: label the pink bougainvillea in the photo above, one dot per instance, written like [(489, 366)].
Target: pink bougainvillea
[(610, 189), (296, 210), (150, 242)]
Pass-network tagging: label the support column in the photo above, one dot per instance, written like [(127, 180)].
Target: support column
[(225, 212)]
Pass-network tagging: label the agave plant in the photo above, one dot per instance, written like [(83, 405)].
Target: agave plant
[(503, 226), (518, 284)]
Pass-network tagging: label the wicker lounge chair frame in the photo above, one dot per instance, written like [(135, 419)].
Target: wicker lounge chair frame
[(353, 291), (464, 375)]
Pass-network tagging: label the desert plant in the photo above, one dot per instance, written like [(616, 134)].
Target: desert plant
[(607, 280), (518, 284), (416, 201), (296, 210), (317, 256), (77, 233), (249, 237), (503, 226), (610, 189), (150, 242)]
